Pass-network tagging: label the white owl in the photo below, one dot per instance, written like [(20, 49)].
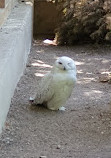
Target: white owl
[(57, 85)]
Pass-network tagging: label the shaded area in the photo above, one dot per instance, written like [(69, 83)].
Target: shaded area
[(46, 18), (83, 130), (84, 21)]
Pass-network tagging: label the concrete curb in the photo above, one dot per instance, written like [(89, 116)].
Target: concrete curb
[(15, 44), (5, 12)]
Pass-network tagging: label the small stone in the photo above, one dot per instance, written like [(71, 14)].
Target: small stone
[(28, 65), (58, 147), (103, 78), (82, 51), (102, 132), (43, 157)]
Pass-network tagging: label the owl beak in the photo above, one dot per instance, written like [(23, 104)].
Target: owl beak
[(64, 68)]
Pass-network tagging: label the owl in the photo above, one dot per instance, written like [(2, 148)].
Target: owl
[(57, 85)]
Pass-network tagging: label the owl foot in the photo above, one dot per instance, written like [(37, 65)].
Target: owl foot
[(62, 108), (31, 100)]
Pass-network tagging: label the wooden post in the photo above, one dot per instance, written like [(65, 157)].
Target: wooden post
[(2, 3)]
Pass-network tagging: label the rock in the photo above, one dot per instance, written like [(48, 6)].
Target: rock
[(43, 157), (103, 78), (28, 65), (58, 146)]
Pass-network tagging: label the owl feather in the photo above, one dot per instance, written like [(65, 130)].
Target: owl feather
[(57, 85)]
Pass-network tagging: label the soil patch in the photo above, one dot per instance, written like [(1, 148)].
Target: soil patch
[(83, 130)]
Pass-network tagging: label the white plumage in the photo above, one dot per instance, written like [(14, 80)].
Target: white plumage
[(57, 85)]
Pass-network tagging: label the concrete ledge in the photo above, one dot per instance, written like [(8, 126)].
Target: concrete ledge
[(15, 44), (5, 11)]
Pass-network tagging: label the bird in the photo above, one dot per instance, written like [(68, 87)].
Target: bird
[(56, 86)]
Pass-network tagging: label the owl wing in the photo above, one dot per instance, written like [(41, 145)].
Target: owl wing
[(45, 90)]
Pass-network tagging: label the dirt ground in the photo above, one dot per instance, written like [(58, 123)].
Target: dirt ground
[(83, 130)]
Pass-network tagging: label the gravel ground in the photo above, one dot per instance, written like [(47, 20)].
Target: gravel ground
[(83, 130)]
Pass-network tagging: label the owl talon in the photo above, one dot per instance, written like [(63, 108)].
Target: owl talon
[(62, 108), (31, 100)]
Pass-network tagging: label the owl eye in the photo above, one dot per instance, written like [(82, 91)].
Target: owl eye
[(60, 63)]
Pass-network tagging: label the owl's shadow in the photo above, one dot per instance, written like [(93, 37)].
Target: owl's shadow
[(37, 107), (41, 108)]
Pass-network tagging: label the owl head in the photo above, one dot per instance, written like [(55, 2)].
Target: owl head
[(65, 63)]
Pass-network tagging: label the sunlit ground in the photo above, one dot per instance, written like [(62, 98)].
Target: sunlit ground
[(50, 42), (83, 130), (85, 76)]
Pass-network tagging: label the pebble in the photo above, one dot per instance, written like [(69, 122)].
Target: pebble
[(43, 157), (82, 51), (102, 132), (58, 147), (7, 140), (28, 65)]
